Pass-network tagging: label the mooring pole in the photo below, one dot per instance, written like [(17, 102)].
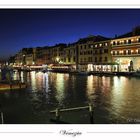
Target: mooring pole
[(2, 120), (1, 114), (91, 113), (57, 114)]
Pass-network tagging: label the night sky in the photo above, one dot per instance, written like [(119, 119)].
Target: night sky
[(22, 28)]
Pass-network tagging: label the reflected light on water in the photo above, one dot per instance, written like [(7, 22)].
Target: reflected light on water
[(46, 82), (119, 93), (33, 80), (60, 88), (90, 88)]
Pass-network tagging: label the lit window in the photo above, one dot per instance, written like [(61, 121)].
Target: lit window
[(121, 51), (100, 45)]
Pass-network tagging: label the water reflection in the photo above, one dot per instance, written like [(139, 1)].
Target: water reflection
[(115, 99)]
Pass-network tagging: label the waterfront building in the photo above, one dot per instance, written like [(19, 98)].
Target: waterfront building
[(70, 56), (126, 51), (94, 51), (102, 59)]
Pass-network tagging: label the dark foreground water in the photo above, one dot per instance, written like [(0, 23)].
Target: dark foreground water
[(115, 99)]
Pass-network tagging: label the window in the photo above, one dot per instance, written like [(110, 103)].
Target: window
[(129, 41), (124, 41), (96, 52), (81, 60), (124, 52), (113, 52), (74, 59), (118, 43), (117, 52), (90, 52), (129, 51), (114, 43), (69, 59), (138, 51), (85, 59), (91, 46), (138, 39), (100, 59), (85, 46), (89, 59), (106, 59), (105, 50), (95, 59), (100, 51)]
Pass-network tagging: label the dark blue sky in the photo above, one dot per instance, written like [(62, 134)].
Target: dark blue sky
[(40, 27)]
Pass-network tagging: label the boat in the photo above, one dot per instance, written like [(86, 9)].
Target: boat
[(4, 85), (83, 73)]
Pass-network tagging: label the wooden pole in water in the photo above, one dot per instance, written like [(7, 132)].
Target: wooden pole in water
[(1, 114), (2, 119), (91, 113), (57, 114)]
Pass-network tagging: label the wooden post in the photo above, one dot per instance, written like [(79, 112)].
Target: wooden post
[(57, 115), (2, 119), (1, 115), (91, 113)]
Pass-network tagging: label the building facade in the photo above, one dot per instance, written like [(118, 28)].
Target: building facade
[(93, 53)]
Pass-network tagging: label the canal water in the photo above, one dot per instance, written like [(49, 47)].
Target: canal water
[(116, 100)]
